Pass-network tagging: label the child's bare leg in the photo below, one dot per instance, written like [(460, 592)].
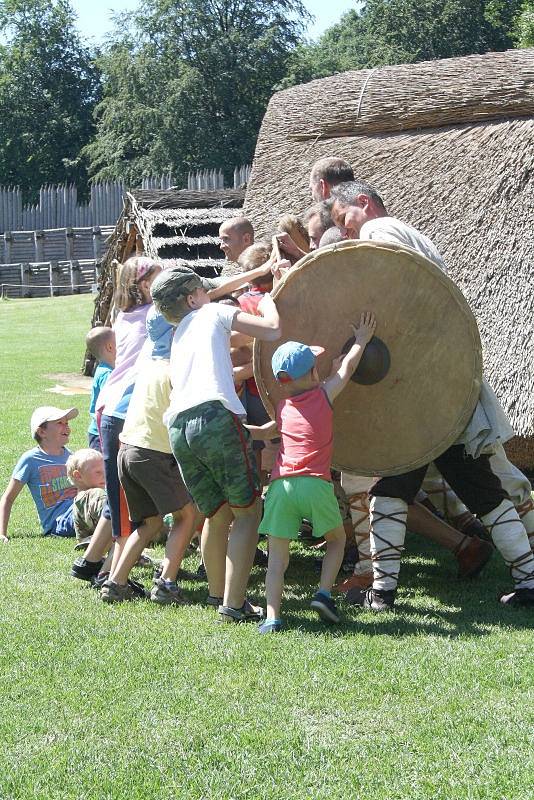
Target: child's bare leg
[(274, 580), (100, 541), (240, 553), (178, 540), (131, 548), (106, 566), (214, 543), (335, 548)]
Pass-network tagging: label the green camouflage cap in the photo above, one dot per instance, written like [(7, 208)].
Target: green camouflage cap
[(171, 287)]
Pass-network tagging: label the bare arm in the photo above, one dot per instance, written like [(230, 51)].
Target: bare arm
[(238, 281), (244, 372), (13, 490), (267, 328), (344, 366), (262, 432)]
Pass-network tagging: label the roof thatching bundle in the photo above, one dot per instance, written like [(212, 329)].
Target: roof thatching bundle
[(450, 147), (174, 226)]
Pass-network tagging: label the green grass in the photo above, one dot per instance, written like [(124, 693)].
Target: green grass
[(435, 701)]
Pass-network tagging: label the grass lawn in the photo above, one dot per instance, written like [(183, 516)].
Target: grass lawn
[(140, 702)]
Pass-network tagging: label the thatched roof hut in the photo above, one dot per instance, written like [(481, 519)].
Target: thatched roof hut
[(450, 146), (174, 226)]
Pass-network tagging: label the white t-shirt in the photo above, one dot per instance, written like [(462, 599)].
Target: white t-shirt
[(390, 229), (201, 368)]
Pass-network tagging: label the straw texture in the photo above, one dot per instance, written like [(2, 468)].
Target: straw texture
[(466, 183)]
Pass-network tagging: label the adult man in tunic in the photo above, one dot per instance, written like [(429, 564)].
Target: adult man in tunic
[(358, 210), (235, 234)]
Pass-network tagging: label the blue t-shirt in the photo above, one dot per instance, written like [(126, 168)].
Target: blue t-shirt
[(46, 477), (102, 373)]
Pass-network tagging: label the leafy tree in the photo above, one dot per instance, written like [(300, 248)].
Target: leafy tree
[(406, 31), (48, 88), (186, 87), (524, 28)]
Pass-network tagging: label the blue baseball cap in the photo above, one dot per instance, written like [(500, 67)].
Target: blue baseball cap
[(160, 333), (295, 359)]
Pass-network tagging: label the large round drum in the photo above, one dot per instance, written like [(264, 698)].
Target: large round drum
[(420, 377)]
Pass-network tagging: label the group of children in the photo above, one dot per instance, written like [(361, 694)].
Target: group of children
[(168, 414)]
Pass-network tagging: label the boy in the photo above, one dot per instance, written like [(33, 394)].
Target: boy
[(301, 484), (150, 477), (207, 435), (100, 342), (43, 469), (85, 470)]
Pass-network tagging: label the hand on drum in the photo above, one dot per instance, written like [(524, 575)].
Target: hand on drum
[(364, 332)]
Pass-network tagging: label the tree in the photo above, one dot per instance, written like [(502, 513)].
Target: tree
[(48, 89), (187, 85), (407, 31), (524, 29)]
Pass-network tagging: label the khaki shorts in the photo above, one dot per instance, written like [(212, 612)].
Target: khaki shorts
[(151, 481)]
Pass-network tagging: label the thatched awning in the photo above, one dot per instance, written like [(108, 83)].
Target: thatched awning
[(465, 178)]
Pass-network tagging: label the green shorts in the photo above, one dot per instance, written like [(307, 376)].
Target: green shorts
[(290, 500), (214, 452)]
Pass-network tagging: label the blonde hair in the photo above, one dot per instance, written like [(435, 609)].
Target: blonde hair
[(78, 459), (97, 339), (254, 256), (128, 276)]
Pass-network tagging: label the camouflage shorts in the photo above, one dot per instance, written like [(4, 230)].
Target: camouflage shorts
[(215, 455)]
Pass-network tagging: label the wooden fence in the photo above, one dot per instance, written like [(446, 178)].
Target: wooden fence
[(58, 206), (48, 278)]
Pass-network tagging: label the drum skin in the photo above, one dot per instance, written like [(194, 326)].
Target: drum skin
[(434, 371)]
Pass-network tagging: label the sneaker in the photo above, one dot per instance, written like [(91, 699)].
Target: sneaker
[(97, 581), (201, 571), (138, 589), (372, 599), (362, 581), (167, 593), (211, 600), (519, 597), (270, 626), (85, 570), (474, 557), (325, 607), (247, 613), (112, 592)]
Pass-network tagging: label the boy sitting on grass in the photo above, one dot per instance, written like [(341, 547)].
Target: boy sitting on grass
[(100, 341), (85, 470), (44, 470), (301, 485), (206, 431)]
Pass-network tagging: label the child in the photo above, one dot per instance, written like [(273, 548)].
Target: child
[(100, 341), (132, 298), (85, 470), (43, 469), (301, 484), (207, 436), (254, 256), (150, 477)]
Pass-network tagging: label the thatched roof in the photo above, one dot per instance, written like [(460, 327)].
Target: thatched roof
[(450, 146), (174, 226)]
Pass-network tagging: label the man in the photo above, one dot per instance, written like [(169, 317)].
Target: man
[(317, 220), (358, 210), (327, 173), (236, 234)]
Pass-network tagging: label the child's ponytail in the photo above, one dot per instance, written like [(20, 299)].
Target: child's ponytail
[(128, 275)]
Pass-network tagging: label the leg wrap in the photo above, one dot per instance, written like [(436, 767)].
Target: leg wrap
[(359, 512), (445, 500), (510, 538), (388, 530), (526, 515)]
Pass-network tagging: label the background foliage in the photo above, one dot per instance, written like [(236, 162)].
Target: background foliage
[(184, 84)]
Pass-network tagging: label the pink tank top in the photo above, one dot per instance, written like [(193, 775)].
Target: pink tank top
[(306, 429)]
